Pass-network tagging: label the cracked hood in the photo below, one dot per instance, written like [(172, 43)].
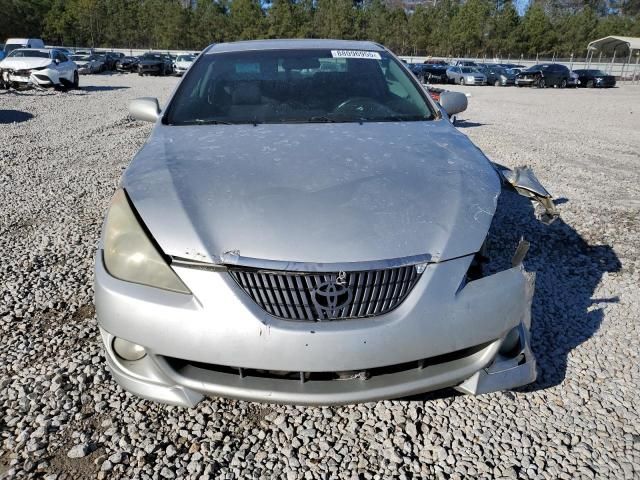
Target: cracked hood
[(319, 193)]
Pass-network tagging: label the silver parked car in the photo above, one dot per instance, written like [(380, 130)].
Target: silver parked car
[(466, 75), (301, 227)]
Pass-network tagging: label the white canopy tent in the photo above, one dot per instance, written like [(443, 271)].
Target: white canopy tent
[(615, 44)]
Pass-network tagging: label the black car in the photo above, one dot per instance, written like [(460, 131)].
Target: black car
[(497, 75), (110, 59), (509, 66), (594, 78), (127, 64), (113, 58), (544, 75), (152, 63), (436, 73), (429, 73)]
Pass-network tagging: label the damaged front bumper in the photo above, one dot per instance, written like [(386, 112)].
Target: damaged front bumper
[(42, 77), (217, 342)]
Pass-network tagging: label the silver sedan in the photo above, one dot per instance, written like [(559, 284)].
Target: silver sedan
[(305, 225), (466, 75)]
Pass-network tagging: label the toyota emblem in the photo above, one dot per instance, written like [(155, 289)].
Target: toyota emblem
[(332, 295)]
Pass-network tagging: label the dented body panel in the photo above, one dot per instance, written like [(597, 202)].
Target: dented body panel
[(314, 193)]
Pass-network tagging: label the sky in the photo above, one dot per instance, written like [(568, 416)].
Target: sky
[(521, 6)]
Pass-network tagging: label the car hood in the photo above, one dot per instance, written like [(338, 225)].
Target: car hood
[(22, 63), (317, 193)]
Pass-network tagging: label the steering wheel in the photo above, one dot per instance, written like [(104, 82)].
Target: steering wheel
[(361, 106)]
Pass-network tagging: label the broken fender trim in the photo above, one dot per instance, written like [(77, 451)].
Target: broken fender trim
[(524, 181), (508, 371)]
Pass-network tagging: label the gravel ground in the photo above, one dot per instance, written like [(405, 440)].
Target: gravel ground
[(61, 415)]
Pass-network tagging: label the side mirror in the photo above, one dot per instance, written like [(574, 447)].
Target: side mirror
[(453, 102), (146, 109)]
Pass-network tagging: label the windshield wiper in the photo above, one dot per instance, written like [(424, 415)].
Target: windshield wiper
[(199, 121), (320, 119)]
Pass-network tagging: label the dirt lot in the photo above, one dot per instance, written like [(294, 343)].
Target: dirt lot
[(61, 415)]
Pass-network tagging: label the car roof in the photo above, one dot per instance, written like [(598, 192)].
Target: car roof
[(293, 44)]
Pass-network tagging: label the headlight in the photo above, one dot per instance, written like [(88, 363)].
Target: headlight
[(503, 77), (130, 255), (470, 78)]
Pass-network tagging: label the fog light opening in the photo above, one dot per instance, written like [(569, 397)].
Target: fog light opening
[(512, 344), (128, 350)]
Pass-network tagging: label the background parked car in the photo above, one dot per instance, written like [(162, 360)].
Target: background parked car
[(66, 51), (573, 80), (591, 78), (419, 70), (42, 67), (88, 63), (127, 64), (464, 63), (110, 59), (13, 43), (182, 63), (435, 73), (497, 75), (466, 76), (152, 63), (103, 58), (510, 65), (2, 51), (544, 75)]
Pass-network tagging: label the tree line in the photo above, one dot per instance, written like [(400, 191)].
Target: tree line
[(439, 28)]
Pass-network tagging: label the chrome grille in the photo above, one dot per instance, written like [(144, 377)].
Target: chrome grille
[(327, 296)]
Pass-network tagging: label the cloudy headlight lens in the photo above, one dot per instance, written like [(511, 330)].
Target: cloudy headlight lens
[(130, 255)]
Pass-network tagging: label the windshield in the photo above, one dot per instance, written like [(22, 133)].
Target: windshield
[(84, 58), (151, 56), (184, 58), (297, 86), (29, 53), (469, 70)]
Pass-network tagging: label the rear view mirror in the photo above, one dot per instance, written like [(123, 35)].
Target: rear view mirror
[(146, 109), (453, 102)]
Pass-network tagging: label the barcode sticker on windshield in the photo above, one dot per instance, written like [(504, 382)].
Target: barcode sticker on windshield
[(355, 54)]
